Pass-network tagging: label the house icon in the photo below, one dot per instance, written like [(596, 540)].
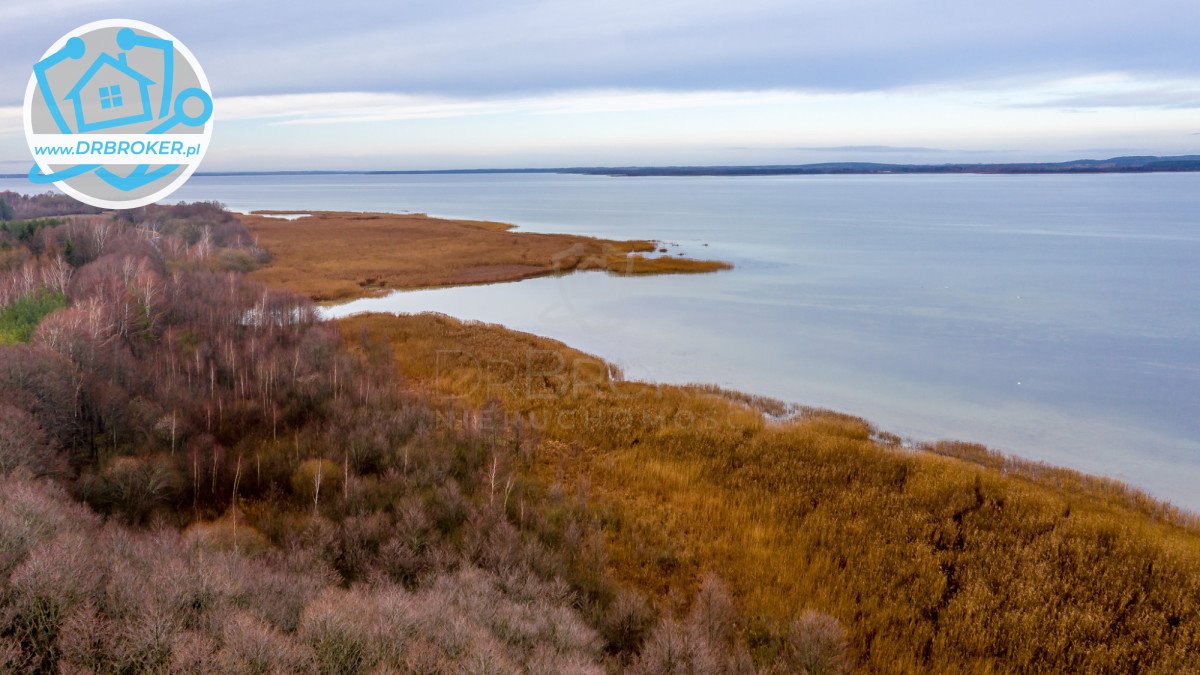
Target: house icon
[(110, 94)]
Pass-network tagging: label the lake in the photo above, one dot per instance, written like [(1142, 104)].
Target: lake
[(1055, 317)]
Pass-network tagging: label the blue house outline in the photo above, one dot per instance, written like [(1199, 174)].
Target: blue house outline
[(121, 65)]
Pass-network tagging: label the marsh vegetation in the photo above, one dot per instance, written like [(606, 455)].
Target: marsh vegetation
[(340, 256), (942, 557)]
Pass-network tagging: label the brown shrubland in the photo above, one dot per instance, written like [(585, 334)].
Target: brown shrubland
[(944, 557), (338, 256)]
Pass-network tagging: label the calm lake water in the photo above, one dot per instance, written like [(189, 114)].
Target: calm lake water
[(1052, 317)]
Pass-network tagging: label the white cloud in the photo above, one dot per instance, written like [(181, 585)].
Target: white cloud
[(11, 120), (359, 107), (1021, 119), (1113, 90)]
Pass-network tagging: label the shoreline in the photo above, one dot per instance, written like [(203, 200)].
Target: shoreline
[(260, 221), (775, 411)]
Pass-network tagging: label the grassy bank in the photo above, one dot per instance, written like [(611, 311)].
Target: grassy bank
[(947, 558), (340, 256)]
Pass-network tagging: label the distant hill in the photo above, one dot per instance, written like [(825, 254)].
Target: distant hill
[(1134, 164), (1131, 164)]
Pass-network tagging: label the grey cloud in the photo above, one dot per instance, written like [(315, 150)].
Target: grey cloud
[(480, 47), (1117, 150), (869, 148)]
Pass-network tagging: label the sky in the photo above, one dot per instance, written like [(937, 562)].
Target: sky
[(437, 84)]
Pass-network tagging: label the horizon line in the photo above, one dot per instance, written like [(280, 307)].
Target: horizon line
[(1118, 164)]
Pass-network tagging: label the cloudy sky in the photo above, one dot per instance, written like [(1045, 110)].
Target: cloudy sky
[(408, 84)]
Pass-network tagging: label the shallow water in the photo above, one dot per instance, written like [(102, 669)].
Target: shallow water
[(1054, 317)]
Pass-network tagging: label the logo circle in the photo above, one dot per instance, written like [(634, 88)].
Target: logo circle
[(118, 114)]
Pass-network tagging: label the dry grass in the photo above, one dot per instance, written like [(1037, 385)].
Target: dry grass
[(339, 256), (945, 558)]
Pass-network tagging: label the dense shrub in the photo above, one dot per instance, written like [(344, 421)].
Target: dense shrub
[(132, 487), (81, 596), (314, 476), (23, 445), (19, 318), (43, 205), (816, 644), (628, 620)]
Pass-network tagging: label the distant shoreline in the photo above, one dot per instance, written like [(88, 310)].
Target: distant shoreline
[(1131, 164)]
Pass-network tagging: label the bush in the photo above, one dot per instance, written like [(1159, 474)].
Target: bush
[(42, 205), (56, 576), (31, 513), (26, 230), (707, 642), (448, 506), (226, 535), (80, 596), (254, 646), (676, 649), (24, 445), (131, 487), (816, 645), (316, 479), (468, 621), (713, 613), (626, 623), (41, 382), (335, 627), (237, 260), (19, 319)]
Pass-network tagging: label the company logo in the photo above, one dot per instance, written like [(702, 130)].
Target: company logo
[(118, 114)]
